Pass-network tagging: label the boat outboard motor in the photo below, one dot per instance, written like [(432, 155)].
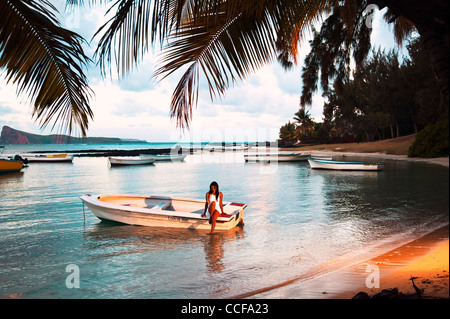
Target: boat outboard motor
[(19, 158)]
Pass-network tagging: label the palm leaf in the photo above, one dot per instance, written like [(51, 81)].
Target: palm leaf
[(46, 62), (136, 23), (227, 47), (223, 40), (403, 27), (224, 52)]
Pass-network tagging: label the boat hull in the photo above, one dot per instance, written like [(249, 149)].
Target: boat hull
[(48, 158), (8, 166), (144, 211), (270, 158), (129, 161), (164, 158), (348, 166)]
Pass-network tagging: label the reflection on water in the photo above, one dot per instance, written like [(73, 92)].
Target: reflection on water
[(299, 223)]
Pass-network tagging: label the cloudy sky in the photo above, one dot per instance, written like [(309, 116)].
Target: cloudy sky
[(138, 107)]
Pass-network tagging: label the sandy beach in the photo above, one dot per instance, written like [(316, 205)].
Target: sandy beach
[(426, 259)]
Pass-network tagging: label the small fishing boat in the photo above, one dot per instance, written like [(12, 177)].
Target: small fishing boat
[(129, 160), (164, 157), (275, 157), (322, 157), (8, 165), (345, 165), (161, 211), (48, 158)]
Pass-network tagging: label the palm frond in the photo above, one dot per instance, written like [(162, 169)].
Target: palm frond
[(228, 43), (224, 49), (223, 40), (134, 26), (403, 27), (46, 62), (295, 19)]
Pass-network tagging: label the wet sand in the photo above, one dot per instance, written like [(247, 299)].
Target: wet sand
[(425, 259)]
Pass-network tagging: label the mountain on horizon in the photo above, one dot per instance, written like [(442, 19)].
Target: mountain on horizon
[(13, 136)]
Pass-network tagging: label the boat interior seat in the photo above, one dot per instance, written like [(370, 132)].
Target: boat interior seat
[(161, 205)]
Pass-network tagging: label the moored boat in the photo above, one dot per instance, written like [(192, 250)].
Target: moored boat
[(10, 165), (48, 158), (322, 157), (345, 165), (129, 160), (164, 157), (160, 211), (275, 157)]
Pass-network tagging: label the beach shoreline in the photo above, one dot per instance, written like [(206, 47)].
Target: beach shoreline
[(425, 259), (391, 149), (442, 161)]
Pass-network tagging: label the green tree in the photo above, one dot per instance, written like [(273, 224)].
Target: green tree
[(343, 37), (288, 136), (429, 104), (304, 121), (384, 97)]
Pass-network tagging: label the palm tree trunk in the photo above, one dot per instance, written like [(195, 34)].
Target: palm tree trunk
[(398, 128), (439, 56)]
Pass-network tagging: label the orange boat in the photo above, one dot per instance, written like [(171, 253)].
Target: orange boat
[(9, 165)]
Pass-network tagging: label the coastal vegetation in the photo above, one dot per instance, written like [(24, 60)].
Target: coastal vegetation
[(432, 141), (384, 98)]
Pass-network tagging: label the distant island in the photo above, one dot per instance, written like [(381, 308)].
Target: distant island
[(13, 136)]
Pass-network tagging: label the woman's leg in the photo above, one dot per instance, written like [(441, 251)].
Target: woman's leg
[(211, 209), (214, 214), (214, 217)]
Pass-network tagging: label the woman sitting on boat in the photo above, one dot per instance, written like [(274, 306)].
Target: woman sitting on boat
[(213, 205)]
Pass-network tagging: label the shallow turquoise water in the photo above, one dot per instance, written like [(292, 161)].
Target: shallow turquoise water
[(298, 221)]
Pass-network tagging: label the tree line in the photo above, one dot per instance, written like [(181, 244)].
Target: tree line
[(385, 97)]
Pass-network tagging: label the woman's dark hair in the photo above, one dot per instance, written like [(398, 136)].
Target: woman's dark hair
[(217, 189)]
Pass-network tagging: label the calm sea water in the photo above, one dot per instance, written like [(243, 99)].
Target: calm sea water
[(299, 223)]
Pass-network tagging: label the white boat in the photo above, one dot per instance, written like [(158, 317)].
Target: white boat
[(345, 165), (129, 160), (164, 157), (160, 211), (322, 157), (275, 157), (48, 158)]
